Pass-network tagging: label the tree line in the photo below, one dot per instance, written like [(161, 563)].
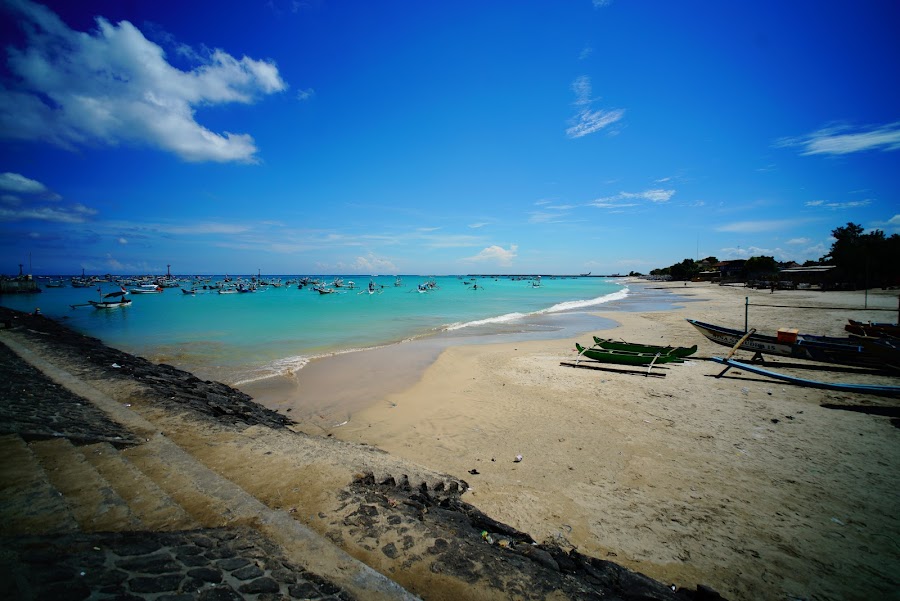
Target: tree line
[(859, 259)]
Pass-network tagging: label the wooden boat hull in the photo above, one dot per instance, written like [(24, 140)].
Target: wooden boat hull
[(843, 387), (678, 351), (624, 357), (843, 351)]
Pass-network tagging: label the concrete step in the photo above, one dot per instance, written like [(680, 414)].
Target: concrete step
[(94, 503), (29, 504), (155, 509)]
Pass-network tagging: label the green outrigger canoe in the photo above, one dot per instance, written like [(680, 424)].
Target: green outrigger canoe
[(618, 345), (625, 357)]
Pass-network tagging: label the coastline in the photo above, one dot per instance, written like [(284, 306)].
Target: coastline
[(745, 483), (329, 391)]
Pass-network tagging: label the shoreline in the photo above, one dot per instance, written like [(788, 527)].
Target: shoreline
[(328, 391), (687, 478)]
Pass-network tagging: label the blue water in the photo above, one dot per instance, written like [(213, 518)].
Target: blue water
[(242, 337)]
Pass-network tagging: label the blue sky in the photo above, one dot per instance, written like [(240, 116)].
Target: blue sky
[(439, 138)]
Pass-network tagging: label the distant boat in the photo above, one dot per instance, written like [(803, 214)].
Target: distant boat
[(112, 300), (123, 302), (147, 289)]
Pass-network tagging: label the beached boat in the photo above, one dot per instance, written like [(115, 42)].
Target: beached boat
[(619, 345), (841, 386), (872, 329), (624, 357), (826, 349)]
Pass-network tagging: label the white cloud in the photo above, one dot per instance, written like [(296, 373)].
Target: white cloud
[(588, 121), (756, 226), (78, 214), (795, 241), (653, 195), (853, 204), (841, 139), (496, 254), (305, 94), (895, 220), (13, 182), (112, 86), (476, 226), (374, 265), (601, 3)]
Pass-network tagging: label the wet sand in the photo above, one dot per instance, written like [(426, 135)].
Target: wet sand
[(751, 485)]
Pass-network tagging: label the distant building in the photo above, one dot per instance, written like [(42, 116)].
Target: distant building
[(812, 276)]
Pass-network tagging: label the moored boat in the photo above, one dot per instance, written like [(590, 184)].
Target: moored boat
[(113, 304), (624, 357), (147, 289)]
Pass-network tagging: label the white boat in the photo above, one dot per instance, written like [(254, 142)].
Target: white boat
[(123, 302), (147, 289)]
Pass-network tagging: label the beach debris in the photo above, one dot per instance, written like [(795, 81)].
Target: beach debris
[(838, 522), (116, 365), (487, 537), (473, 471), (517, 459)]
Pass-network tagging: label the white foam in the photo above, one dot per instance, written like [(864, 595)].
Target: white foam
[(557, 308)]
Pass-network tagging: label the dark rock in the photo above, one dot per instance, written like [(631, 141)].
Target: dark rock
[(205, 574), (248, 572), (260, 585), (220, 593), (233, 563), (155, 584)]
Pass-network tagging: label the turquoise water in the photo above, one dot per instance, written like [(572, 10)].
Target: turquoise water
[(242, 337)]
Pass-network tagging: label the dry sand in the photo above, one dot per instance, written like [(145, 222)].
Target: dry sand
[(743, 483)]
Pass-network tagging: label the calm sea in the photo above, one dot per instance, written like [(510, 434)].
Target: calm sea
[(239, 338)]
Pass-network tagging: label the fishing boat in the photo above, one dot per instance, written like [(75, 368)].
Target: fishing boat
[(191, 291), (112, 300), (619, 345), (871, 329), (323, 290), (624, 357), (841, 386), (826, 349), (147, 289)]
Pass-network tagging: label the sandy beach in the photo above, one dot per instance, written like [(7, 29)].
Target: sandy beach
[(748, 484)]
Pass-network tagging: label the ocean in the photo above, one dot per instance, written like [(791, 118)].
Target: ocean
[(242, 338)]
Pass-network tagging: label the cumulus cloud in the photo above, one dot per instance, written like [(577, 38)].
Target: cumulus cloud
[(588, 121), (112, 85), (496, 254), (843, 139), (374, 265), (795, 241)]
